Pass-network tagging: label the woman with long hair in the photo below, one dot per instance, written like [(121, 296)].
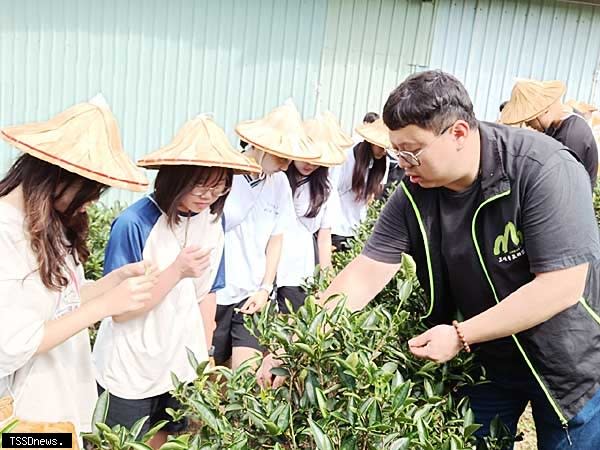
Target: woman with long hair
[(46, 306), (257, 213), (360, 180), (180, 227), (307, 241)]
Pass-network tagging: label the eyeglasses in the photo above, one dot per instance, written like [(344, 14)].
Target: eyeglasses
[(412, 158), (217, 191)]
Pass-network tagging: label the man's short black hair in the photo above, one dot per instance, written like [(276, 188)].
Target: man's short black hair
[(432, 100)]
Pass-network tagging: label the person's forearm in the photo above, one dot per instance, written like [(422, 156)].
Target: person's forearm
[(93, 289), (324, 246), (273, 253), (167, 280), (59, 330), (208, 311), (360, 282), (532, 304)]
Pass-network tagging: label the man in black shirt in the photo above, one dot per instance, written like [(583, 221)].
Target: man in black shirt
[(500, 223), (538, 105)]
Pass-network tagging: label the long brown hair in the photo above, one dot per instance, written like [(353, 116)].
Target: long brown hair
[(364, 191), (319, 186), (175, 182), (53, 234)]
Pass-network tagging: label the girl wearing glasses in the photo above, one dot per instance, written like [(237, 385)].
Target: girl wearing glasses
[(360, 179), (180, 228), (308, 241)]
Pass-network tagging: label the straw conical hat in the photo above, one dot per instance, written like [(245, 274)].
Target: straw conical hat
[(340, 138), (83, 139), (200, 142), (280, 133), (582, 107), (376, 133), (322, 137), (530, 98)]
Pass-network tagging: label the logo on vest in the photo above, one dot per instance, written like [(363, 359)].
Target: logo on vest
[(502, 248)]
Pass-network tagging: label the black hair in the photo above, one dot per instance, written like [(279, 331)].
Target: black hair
[(431, 100), (319, 186), (370, 117)]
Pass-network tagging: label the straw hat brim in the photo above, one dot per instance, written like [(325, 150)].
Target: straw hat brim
[(526, 106), (340, 138), (238, 169), (104, 178), (331, 155), (375, 133), (275, 143), (280, 133), (200, 142)]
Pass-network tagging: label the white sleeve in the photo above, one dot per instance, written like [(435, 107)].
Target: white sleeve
[(331, 211), (24, 306), (287, 212), (387, 171)]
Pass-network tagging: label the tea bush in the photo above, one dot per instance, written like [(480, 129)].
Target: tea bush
[(101, 218)]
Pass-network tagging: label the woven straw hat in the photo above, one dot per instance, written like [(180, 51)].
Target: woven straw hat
[(200, 142), (322, 137), (280, 133), (83, 139), (582, 107), (530, 98), (377, 133), (340, 138)]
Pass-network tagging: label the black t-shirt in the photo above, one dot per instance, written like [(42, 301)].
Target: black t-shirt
[(469, 290), (575, 133), (553, 239)]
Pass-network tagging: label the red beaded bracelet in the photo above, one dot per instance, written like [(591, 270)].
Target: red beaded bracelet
[(461, 337)]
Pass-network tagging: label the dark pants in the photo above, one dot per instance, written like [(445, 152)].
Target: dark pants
[(231, 332), (126, 412), (341, 243), (295, 294), (507, 395)]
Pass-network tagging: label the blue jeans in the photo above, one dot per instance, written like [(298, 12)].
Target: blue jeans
[(507, 395)]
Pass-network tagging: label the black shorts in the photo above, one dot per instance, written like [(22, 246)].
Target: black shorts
[(295, 294), (231, 332), (341, 243), (126, 412)]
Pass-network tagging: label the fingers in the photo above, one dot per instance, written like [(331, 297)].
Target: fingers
[(421, 340), (197, 252), (423, 352), (150, 269), (249, 307), (278, 382), (263, 377)]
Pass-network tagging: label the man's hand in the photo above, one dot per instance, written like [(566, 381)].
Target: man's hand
[(439, 344)]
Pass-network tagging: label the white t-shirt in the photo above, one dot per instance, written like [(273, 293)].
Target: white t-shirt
[(134, 359), (297, 255), (352, 212), (252, 216), (55, 386)]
